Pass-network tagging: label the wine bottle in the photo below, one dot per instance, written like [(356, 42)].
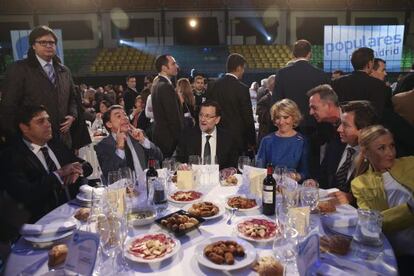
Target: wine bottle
[(151, 174), (269, 192)]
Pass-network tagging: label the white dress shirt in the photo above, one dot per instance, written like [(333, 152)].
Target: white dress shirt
[(343, 158), (234, 76), (212, 141), (148, 109), (121, 153), (43, 63)]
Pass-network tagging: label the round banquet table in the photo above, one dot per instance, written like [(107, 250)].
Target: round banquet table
[(185, 262)]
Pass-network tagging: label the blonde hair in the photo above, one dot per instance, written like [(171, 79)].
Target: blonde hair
[(289, 107), (366, 137), (184, 87)]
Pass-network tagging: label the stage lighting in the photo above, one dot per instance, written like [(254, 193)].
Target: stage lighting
[(121, 41), (268, 37), (193, 23)]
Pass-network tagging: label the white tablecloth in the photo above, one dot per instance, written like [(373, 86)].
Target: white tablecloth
[(185, 263)]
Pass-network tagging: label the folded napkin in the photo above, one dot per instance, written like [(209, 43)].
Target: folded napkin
[(254, 178), (324, 193), (331, 265), (345, 216), (50, 228)]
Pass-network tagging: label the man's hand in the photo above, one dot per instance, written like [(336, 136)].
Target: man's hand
[(70, 172), (137, 134), (342, 197), (65, 126), (120, 139)]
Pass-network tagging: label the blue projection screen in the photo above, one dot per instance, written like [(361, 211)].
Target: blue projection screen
[(341, 41)]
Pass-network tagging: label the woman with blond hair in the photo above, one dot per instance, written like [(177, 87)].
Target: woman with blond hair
[(386, 183), (285, 147), (187, 99)]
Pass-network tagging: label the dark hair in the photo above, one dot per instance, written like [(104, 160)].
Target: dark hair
[(106, 117), (130, 77), (144, 94), (325, 92), (233, 61), (26, 113), (364, 113), (361, 57), (301, 48), (377, 63), (160, 61), (40, 31), (213, 104), (150, 77), (105, 102)]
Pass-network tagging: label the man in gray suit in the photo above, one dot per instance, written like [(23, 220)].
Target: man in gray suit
[(125, 146), (40, 79)]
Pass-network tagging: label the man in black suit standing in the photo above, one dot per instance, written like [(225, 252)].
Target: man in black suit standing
[(208, 140), (166, 106), (296, 79), (41, 173), (125, 146), (359, 85), (130, 94), (40, 79), (234, 98)]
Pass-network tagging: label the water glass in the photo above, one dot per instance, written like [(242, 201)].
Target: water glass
[(113, 177), (243, 160), (309, 194), (290, 193), (285, 245), (368, 230), (157, 196)]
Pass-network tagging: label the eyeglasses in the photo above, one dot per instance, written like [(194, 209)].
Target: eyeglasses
[(45, 43), (206, 116)]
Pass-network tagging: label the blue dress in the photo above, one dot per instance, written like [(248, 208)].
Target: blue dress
[(291, 152)]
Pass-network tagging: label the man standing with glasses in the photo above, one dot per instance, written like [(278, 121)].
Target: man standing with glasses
[(207, 140), (40, 79)]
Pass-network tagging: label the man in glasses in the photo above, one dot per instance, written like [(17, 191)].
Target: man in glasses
[(207, 140), (40, 79)]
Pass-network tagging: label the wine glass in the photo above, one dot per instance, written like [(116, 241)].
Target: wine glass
[(171, 165), (243, 160), (285, 244), (113, 177), (309, 194), (194, 160), (126, 175)]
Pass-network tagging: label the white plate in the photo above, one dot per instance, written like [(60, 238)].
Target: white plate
[(238, 263), (258, 203), (184, 202), (52, 236), (243, 236), (84, 199), (144, 221), (239, 181), (142, 260), (219, 214)]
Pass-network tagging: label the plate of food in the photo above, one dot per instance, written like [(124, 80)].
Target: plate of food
[(206, 209), (225, 253), (180, 222), (242, 203), (257, 229), (151, 248), (57, 229), (185, 196), (141, 216)]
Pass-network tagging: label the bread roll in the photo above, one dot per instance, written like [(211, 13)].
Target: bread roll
[(57, 255)]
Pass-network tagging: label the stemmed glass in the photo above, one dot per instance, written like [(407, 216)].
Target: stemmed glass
[(243, 160), (309, 195), (113, 177), (194, 160), (285, 244), (171, 165), (126, 175)]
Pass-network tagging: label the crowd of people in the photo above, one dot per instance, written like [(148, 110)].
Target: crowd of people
[(353, 132)]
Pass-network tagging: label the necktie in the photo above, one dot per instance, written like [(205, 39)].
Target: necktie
[(128, 157), (50, 72), (207, 150), (342, 174), (49, 162)]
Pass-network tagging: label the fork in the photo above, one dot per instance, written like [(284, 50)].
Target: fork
[(233, 211)]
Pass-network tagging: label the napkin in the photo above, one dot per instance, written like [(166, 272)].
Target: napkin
[(85, 191), (345, 216), (255, 177), (324, 193), (50, 228), (185, 180), (301, 218)]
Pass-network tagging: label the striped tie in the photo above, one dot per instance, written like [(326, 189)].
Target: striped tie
[(50, 73), (49, 162), (342, 174)]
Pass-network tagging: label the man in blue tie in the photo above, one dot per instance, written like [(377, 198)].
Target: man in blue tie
[(40, 79)]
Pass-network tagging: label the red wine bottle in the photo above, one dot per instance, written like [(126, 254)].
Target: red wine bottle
[(151, 174), (269, 192)]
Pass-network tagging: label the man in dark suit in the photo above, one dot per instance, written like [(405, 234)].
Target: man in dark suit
[(130, 94), (40, 79), (296, 79), (41, 173), (166, 106), (125, 146), (234, 98), (263, 110), (207, 140), (359, 85)]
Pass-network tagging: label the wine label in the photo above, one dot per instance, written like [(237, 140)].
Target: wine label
[(268, 197)]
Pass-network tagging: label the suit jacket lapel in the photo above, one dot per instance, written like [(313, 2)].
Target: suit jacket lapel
[(31, 157)]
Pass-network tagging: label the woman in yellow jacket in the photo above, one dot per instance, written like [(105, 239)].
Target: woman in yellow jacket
[(386, 184)]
